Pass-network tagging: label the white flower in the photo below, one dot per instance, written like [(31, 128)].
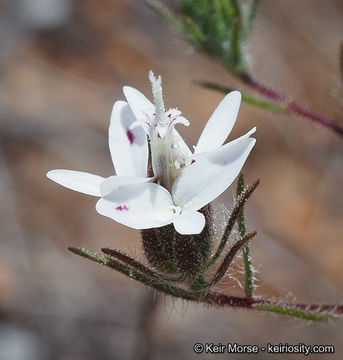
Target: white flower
[(184, 182)]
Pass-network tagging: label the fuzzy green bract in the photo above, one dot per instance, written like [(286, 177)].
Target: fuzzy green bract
[(218, 28)]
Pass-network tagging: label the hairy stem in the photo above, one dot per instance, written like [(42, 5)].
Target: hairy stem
[(279, 103), (303, 311), (249, 99), (215, 298), (292, 106)]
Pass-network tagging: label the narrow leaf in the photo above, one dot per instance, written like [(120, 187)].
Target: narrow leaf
[(229, 258), (133, 274), (240, 201), (121, 256), (249, 278)]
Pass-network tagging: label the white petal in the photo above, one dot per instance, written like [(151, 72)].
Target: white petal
[(231, 143), (206, 179), (220, 124), (128, 142), (139, 206), (77, 180), (139, 104), (189, 223), (116, 182)]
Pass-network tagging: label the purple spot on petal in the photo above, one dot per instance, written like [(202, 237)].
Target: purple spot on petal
[(130, 136), (122, 208)]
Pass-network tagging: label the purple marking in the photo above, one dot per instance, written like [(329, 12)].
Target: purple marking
[(130, 136), (122, 208)]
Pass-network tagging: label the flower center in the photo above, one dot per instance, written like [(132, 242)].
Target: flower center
[(160, 129)]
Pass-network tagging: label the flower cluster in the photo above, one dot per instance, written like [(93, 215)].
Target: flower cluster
[(180, 181)]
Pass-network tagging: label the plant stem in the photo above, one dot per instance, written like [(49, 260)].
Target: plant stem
[(291, 105), (279, 103), (245, 97), (216, 298), (303, 311)]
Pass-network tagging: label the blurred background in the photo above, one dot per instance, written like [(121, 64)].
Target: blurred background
[(62, 65)]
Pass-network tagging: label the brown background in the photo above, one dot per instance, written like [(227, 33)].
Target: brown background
[(61, 69)]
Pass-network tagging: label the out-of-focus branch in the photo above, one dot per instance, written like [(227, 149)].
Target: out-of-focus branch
[(219, 29)]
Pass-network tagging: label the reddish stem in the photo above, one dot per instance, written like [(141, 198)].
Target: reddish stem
[(222, 300), (291, 105)]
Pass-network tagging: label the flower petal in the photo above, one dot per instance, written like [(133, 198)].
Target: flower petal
[(139, 104), (182, 143), (77, 180), (128, 142), (189, 223), (139, 206), (220, 124), (198, 156), (116, 182), (206, 179)]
